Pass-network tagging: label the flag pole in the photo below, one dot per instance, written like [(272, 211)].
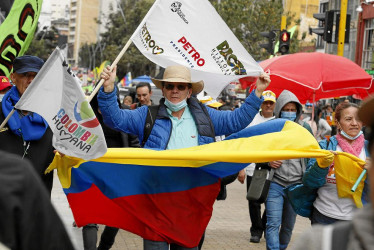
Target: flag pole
[(314, 100), (111, 68), (7, 118), (353, 189)]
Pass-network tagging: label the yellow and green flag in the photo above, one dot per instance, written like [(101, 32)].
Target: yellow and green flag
[(17, 31)]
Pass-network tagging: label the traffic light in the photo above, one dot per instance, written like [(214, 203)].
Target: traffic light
[(284, 42), (325, 25), (271, 38), (347, 28)]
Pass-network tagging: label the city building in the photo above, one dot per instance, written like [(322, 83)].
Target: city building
[(365, 39), (361, 28), (303, 10), (53, 10), (84, 27)]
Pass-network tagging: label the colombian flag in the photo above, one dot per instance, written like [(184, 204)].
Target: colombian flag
[(169, 195), (347, 169)]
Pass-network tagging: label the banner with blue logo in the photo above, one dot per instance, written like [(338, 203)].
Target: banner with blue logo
[(56, 95)]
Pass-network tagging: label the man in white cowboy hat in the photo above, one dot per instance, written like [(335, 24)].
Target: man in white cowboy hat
[(181, 120)]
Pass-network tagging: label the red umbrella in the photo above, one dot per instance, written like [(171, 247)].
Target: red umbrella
[(314, 76)]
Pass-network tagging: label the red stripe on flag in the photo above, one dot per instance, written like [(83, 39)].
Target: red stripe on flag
[(179, 217)]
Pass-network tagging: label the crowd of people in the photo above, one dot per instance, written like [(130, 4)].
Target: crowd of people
[(296, 186)]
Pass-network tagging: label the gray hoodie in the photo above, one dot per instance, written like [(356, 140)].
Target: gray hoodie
[(284, 98), (291, 171)]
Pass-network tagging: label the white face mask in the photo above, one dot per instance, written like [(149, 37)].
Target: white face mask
[(347, 136), (344, 134), (175, 106), (1, 97)]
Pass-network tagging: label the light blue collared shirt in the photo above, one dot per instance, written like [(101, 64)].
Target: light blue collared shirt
[(184, 131)]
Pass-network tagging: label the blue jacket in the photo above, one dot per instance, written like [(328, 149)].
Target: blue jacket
[(303, 195), (220, 122)]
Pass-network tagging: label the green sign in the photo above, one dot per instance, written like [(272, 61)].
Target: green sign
[(17, 31), (370, 71)]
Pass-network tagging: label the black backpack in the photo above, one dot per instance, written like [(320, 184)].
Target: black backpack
[(149, 122)]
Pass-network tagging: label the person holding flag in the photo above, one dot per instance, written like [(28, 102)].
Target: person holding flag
[(356, 233), (26, 134), (181, 121), (320, 194)]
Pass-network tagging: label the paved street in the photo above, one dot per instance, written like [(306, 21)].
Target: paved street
[(228, 228)]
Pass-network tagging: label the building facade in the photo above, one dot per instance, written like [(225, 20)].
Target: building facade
[(303, 10), (84, 27), (365, 39), (53, 10)]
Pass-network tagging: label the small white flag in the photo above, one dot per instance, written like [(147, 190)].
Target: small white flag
[(191, 33), (56, 95)]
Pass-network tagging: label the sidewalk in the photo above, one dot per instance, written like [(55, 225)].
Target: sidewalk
[(228, 227)]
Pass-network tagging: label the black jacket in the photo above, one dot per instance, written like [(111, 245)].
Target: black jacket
[(27, 217), (114, 138), (40, 152)]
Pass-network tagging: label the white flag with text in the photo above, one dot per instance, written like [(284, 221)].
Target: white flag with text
[(56, 95), (191, 33)]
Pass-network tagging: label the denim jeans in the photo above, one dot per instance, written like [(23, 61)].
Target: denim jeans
[(318, 218), (280, 218), (161, 245)]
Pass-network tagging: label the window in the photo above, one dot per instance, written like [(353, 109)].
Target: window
[(368, 48)]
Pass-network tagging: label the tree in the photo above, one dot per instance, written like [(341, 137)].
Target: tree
[(85, 56), (119, 30), (38, 48), (43, 43)]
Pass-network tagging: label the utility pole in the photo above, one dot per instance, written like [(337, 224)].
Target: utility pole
[(283, 22), (342, 23)]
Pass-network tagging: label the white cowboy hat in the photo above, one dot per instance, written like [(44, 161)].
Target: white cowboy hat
[(179, 73)]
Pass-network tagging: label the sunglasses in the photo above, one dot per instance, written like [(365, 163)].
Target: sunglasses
[(180, 87)]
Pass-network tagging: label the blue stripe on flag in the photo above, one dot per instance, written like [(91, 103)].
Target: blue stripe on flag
[(264, 128), (118, 180)]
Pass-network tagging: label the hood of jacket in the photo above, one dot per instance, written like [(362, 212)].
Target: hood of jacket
[(284, 98)]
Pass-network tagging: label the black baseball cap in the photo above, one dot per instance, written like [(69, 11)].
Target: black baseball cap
[(27, 63)]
